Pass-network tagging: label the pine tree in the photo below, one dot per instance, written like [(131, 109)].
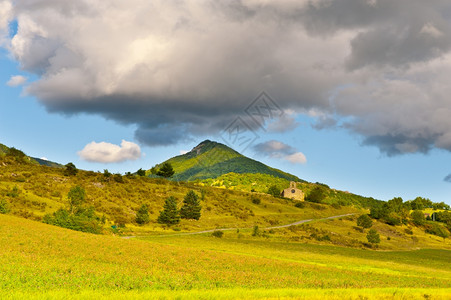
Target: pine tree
[(166, 170), (142, 215), (191, 206), (170, 214)]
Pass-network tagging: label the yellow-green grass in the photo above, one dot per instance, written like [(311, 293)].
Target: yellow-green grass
[(289, 293), (51, 262)]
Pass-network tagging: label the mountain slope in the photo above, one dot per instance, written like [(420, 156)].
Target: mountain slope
[(4, 150), (211, 160)]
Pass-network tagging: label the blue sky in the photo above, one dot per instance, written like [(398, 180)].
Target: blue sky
[(385, 130)]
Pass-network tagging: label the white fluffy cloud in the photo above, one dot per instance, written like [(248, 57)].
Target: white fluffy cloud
[(183, 68), (16, 80), (109, 153), (276, 149), (296, 158)]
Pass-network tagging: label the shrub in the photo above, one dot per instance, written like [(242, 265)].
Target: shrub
[(76, 197), (83, 220), (118, 178), (255, 231), (141, 172), (437, 230), (364, 221), (317, 195), (373, 237), (14, 192), (4, 207), (218, 233), (142, 215), (255, 199), (274, 191), (299, 204), (418, 217)]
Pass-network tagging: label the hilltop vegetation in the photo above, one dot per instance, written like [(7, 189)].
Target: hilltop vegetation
[(19, 156), (33, 191), (211, 160)]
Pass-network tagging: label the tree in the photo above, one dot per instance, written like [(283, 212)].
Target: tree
[(418, 217), (170, 214), (106, 174), (4, 207), (154, 170), (166, 170), (274, 191), (118, 178), (191, 206), (142, 215), (317, 195), (141, 172), (364, 221), (76, 197), (70, 169), (373, 237)]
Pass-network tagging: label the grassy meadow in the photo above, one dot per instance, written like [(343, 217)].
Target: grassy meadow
[(41, 261)]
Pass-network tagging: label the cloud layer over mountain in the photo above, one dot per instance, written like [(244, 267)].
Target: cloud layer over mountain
[(379, 68)]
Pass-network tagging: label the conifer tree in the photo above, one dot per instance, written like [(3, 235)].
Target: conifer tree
[(170, 215), (191, 206), (142, 215), (166, 170)]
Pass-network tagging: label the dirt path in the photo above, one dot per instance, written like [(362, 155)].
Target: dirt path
[(227, 229)]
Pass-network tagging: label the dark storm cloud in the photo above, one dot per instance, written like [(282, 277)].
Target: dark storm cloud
[(276, 149), (447, 178), (379, 68)]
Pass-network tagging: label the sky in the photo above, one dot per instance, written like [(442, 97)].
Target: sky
[(351, 93)]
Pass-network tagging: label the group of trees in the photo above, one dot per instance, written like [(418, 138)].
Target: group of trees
[(393, 212), (190, 209), (70, 169), (171, 215), (77, 216)]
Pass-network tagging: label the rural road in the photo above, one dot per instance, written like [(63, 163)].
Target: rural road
[(226, 229)]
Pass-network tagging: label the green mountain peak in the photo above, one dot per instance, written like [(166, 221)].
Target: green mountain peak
[(211, 159)]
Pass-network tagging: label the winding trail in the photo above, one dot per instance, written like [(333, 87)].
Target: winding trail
[(227, 229)]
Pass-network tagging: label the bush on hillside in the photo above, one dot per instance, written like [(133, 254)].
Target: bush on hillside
[(4, 207), (317, 195), (418, 217), (364, 221), (274, 191), (218, 233), (255, 199), (142, 215), (437, 230), (373, 237)]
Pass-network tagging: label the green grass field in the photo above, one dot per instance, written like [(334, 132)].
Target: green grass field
[(40, 261)]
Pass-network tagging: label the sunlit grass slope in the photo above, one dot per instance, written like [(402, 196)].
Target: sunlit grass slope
[(32, 191), (39, 259)]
